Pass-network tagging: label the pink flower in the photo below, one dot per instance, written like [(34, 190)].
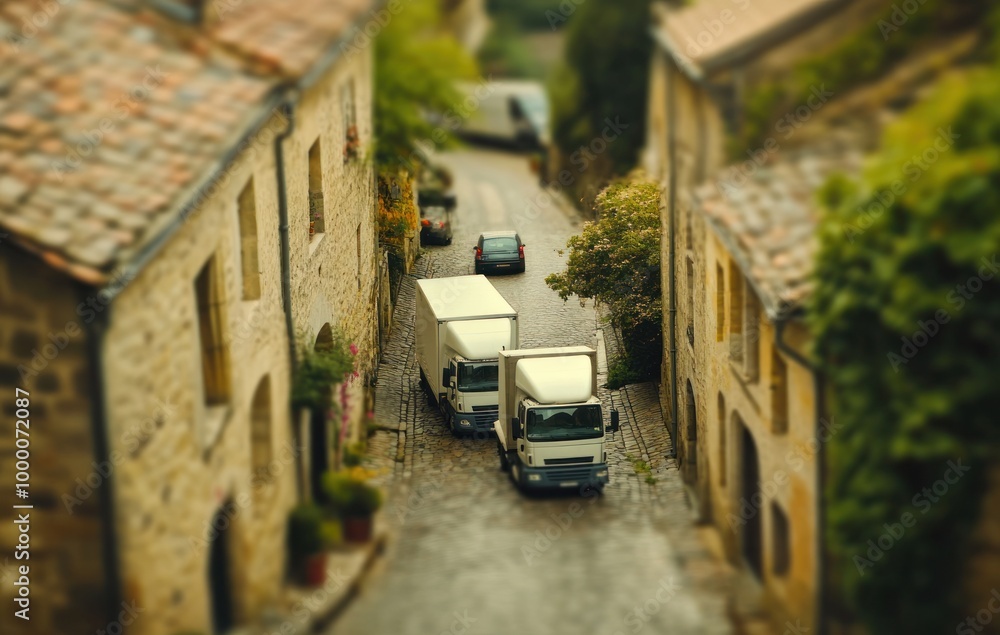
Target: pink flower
[(354, 349)]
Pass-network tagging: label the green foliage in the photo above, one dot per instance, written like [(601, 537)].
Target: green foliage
[(525, 15), (505, 54), (863, 56), (621, 373), (305, 531), (417, 64), (894, 263), (331, 533), (349, 495), (319, 370), (397, 216), (606, 74), (616, 261), (354, 454)]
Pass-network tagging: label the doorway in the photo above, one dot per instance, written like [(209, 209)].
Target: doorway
[(220, 584), (751, 497)]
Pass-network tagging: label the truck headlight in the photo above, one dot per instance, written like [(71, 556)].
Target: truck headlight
[(534, 477), (465, 423), (602, 474)]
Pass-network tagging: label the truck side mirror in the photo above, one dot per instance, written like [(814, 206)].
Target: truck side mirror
[(515, 426), (445, 376), (614, 422)]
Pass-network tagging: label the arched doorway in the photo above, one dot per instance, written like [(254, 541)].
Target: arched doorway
[(691, 445), (319, 428), (751, 500), (220, 583)]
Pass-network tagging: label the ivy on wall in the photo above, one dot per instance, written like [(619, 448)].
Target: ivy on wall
[(905, 317), (397, 211)]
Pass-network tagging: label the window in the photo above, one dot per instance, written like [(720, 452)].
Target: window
[(351, 139), (211, 326), (780, 548), (751, 336), (357, 241), (248, 242), (723, 465), (260, 430), (735, 312), (720, 303), (779, 393), (689, 234), (317, 215), (690, 301)]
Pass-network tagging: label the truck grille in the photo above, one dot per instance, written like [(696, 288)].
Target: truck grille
[(569, 474), (572, 459), (485, 415)]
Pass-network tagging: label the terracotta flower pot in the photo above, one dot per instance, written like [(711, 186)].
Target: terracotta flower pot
[(358, 528), (314, 570)]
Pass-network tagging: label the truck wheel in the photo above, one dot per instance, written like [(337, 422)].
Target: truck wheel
[(504, 463)]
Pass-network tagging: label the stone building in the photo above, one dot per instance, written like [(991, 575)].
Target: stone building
[(183, 195), (739, 237)]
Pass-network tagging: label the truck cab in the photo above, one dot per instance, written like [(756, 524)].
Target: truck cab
[(551, 431), (470, 403), (460, 324)]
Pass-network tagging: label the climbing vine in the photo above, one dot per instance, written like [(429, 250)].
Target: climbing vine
[(397, 211), (905, 318)]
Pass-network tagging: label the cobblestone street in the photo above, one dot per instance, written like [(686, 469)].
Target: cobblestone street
[(467, 552)]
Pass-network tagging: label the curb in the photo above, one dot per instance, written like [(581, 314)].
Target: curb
[(373, 550)]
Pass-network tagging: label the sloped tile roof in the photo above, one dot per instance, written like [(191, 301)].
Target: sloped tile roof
[(287, 36), (708, 31), (768, 220), (111, 117)]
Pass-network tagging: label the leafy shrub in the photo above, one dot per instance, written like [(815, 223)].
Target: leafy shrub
[(616, 261), (319, 370), (354, 454), (895, 262), (305, 534), (621, 373), (331, 533), (349, 495)]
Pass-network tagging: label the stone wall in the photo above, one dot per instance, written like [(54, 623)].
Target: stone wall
[(41, 329), (331, 285), (180, 461)]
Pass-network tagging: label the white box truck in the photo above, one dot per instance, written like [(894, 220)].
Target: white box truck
[(461, 324), (551, 432)]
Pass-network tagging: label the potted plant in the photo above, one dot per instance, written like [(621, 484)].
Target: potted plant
[(354, 500), (331, 533), (305, 544)]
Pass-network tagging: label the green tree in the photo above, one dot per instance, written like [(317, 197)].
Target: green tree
[(605, 76), (909, 346), (616, 261), (416, 67)]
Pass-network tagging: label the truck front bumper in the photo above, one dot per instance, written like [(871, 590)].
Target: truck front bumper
[(562, 477), (476, 424)]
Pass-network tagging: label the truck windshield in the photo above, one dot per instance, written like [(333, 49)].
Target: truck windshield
[(565, 424), (477, 376)]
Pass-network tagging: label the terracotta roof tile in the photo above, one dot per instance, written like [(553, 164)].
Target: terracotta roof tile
[(287, 36), (769, 221), (110, 116), (709, 30)]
